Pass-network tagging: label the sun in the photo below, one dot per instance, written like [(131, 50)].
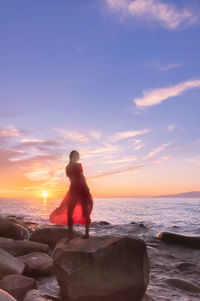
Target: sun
[(45, 194)]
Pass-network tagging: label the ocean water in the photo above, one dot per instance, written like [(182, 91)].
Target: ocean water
[(180, 215), (151, 215)]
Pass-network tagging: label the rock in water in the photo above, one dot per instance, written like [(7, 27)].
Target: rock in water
[(102, 268), (17, 285), (36, 295), (104, 223), (178, 239), (22, 247), (184, 285), (4, 296), (37, 264), (9, 264), (10, 229), (51, 235)]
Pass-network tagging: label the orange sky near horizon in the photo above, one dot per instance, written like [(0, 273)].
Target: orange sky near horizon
[(145, 180)]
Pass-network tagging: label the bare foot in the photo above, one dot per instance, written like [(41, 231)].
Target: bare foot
[(70, 234), (86, 236)]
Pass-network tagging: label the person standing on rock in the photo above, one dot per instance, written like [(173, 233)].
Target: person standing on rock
[(77, 204)]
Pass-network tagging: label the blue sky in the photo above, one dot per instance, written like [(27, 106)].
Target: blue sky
[(116, 79)]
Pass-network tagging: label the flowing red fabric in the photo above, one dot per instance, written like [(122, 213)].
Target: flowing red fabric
[(77, 204)]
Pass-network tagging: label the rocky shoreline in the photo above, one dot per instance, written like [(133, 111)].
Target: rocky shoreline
[(33, 256)]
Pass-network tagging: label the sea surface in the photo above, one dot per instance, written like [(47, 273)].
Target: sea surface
[(148, 216)]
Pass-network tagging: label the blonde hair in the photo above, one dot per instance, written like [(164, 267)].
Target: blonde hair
[(74, 156)]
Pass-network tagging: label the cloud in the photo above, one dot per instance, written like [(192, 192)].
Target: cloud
[(129, 134), (137, 141), (169, 67), (99, 151), (40, 144), (38, 175), (117, 172), (122, 160), (171, 127), (72, 136), (94, 134), (163, 159), (157, 96), (156, 65), (164, 13), (158, 150), (138, 146), (195, 160), (10, 131)]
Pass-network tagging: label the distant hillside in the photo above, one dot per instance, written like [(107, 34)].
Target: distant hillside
[(191, 194)]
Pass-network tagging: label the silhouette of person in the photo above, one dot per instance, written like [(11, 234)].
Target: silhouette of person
[(77, 204)]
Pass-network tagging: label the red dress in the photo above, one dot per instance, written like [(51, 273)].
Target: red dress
[(77, 204)]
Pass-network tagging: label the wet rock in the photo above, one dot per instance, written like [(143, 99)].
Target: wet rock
[(94, 224), (139, 225), (104, 223), (148, 298), (51, 235), (17, 285), (99, 224), (49, 285), (153, 245), (183, 285), (9, 264), (15, 217), (5, 239), (4, 296), (102, 268), (178, 239), (23, 247), (185, 266), (9, 228), (152, 251), (37, 295), (29, 225), (142, 225), (37, 264)]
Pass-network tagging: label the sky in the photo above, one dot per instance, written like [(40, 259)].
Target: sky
[(117, 80)]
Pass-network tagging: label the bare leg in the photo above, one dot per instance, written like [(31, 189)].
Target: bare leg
[(87, 217), (70, 232), (87, 235), (70, 222)]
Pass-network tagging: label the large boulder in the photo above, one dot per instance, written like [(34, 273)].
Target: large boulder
[(5, 239), (22, 247), (4, 296), (9, 264), (102, 268), (37, 295), (9, 228), (37, 264), (179, 239), (17, 285), (51, 235), (28, 224)]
